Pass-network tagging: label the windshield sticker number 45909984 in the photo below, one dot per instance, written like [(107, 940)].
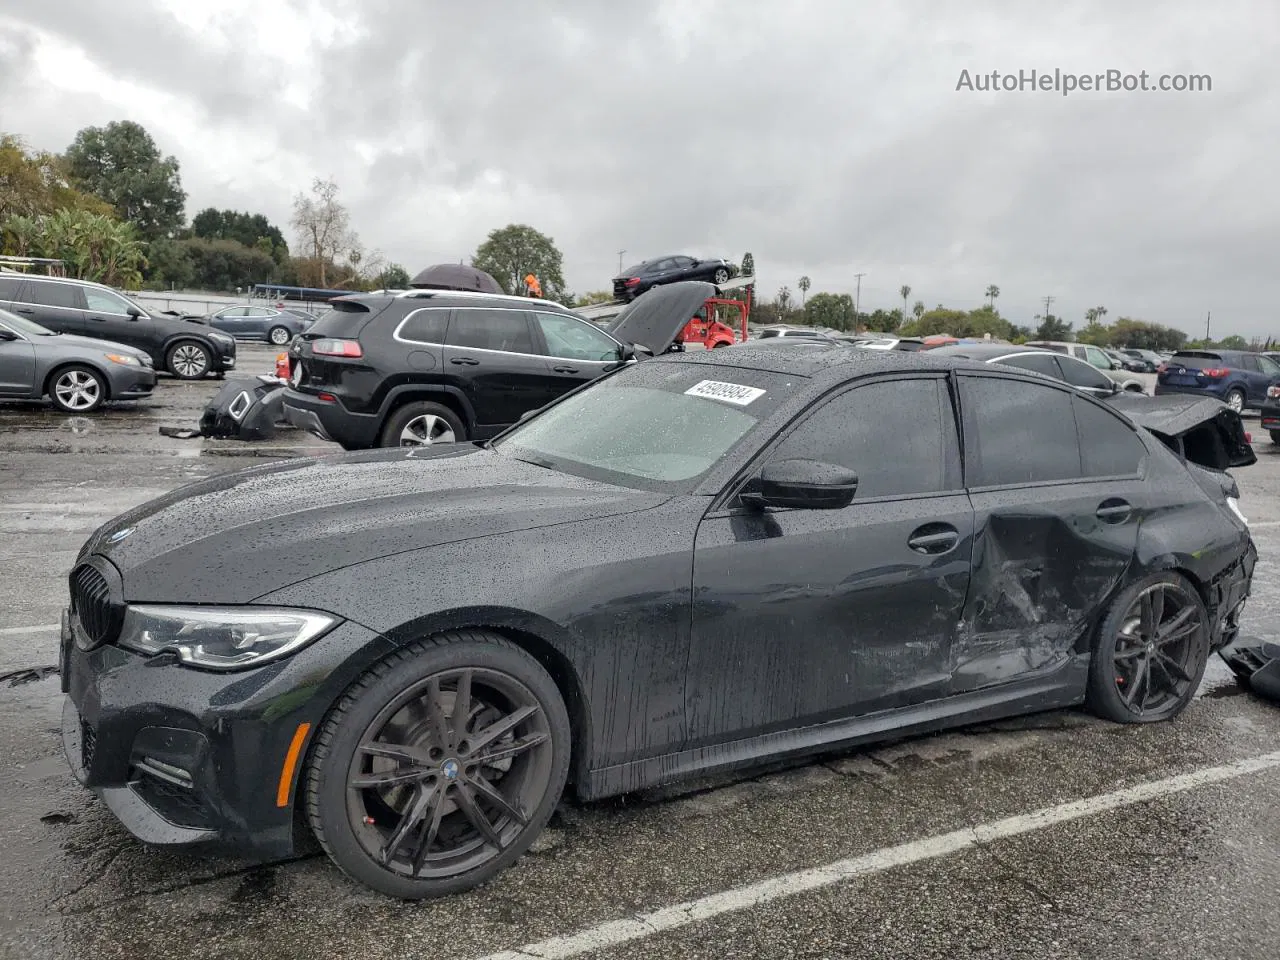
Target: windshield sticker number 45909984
[(734, 393)]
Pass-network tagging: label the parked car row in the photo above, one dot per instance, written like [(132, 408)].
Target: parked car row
[(681, 564), (189, 351)]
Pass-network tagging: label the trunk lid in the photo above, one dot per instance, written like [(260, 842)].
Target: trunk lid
[(1202, 430)]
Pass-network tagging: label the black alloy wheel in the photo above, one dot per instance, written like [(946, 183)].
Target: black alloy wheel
[(1152, 651), (440, 767), (721, 275), (188, 360)]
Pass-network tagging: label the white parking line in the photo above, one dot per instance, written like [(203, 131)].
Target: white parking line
[(27, 631), (640, 926)]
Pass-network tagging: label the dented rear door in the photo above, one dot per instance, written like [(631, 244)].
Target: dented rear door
[(1056, 482)]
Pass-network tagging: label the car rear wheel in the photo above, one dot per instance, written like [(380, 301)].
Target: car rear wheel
[(440, 766), (188, 360), (77, 389), (1235, 399), (1275, 437), (422, 424), (279, 336), (721, 275), (1151, 651)]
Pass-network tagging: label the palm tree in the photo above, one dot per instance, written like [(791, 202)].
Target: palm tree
[(804, 283), (917, 310), (992, 292), (904, 291), (1095, 314)]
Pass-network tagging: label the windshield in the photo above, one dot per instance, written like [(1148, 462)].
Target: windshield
[(23, 326), (654, 425)]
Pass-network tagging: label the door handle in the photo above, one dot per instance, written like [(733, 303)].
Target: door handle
[(1113, 511), (99, 319), (464, 361), (934, 538), (27, 311), (565, 369)]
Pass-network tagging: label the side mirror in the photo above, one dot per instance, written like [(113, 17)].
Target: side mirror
[(803, 485), (133, 312)]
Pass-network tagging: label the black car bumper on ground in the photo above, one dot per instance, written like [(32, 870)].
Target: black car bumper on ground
[(330, 420), (184, 756)]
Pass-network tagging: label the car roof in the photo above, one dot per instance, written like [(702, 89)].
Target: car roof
[(837, 362), (74, 280), (454, 298)]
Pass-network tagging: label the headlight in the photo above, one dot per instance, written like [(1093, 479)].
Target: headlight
[(221, 638), (124, 358), (1234, 504), (221, 338)]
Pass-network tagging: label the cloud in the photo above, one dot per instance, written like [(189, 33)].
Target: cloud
[(828, 138)]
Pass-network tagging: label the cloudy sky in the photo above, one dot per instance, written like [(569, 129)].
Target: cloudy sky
[(828, 138)]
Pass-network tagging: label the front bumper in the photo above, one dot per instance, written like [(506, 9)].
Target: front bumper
[(224, 356), (131, 383), (186, 757)]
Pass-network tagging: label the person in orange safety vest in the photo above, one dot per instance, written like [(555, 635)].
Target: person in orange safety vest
[(535, 288)]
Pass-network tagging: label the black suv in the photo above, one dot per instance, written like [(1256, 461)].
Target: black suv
[(438, 366), (187, 350)]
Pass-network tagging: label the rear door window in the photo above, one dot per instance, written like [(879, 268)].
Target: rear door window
[(1080, 374), (573, 339), (1109, 447), (481, 328), (63, 295), (1005, 445), (9, 287)]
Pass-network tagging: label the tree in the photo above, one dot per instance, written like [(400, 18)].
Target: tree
[(784, 300), (393, 277), (880, 320), (121, 164), (985, 320), (94, 246), (917, 310), (748, 265), (323, 225), (904, 291), (510, 253), (251, 229), (34, 184), (992, 292), (804, 283), (593, 297), (225, 265), (833, 310), (1052, 328), (1234, 342)]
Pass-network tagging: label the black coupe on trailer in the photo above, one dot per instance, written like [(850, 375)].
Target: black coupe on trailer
[(697, 563)]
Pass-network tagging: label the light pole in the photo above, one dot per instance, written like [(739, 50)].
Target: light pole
[(857, 299)]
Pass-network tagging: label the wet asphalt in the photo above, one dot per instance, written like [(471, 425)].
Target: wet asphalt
[(1193, 873)]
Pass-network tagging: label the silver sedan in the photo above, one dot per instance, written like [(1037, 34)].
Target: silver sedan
[(77, 374)]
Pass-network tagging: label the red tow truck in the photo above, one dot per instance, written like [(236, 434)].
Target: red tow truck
[(721, 322)]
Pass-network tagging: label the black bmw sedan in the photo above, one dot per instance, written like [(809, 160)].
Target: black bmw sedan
[(697, 563)]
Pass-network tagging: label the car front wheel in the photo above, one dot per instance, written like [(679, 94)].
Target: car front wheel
[(1235, 399), (1151, 651), (721, 275), (422, 424), (1275, 437), (279, 336), (440, 766), (188, 360), (77, 390)]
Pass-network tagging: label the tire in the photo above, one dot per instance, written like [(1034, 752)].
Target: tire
[(354, 824), (77, 389), (718, 344), (279, 336), (1116, 682), (188, 360), (1235, 399), (721, 275), (1275, 436), (430, 422)]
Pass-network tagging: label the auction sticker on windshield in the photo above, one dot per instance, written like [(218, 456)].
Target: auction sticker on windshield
[(734, 393)]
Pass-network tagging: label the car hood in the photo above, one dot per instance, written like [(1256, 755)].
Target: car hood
[(238, 536), (1178, 416), (93, 343), (656, 319)]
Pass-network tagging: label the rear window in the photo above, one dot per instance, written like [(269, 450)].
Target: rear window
[(768, 333), (344, 319), (1196, 358)]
